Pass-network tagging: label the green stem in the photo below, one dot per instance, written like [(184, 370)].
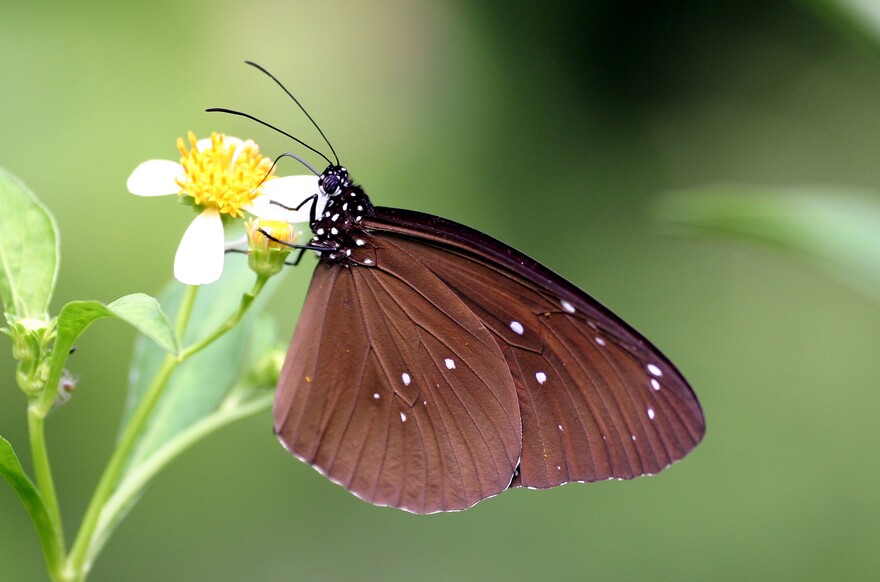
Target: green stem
[(76, 560), (185, 311), (233, 320), (46, 486), (117, 463)]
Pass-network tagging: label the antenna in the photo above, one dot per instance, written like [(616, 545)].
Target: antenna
[(270, 126), (295, 100), (298, 159)]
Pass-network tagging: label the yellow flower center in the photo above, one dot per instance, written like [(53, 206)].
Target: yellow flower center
[(225, 176)]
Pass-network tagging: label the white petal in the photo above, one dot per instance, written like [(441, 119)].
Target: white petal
[(155, 178), (199, 258), (289, 191), (262, 207), (238, 244)]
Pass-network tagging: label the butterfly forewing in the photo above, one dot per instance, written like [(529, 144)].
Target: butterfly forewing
[(395, 389), (596, 399)]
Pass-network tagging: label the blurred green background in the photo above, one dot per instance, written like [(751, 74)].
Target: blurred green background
[(553, 126)]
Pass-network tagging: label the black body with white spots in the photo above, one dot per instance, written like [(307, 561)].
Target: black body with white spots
[(338, 231)]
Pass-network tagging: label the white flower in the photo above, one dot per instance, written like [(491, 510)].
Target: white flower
[(223, 175)]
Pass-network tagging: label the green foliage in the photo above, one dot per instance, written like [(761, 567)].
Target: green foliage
[(838, 229), (28, 251), (138, 310), (11, 469), (177, 396)]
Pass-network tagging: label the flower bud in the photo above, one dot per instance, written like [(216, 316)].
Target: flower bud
[(267, 253), (267, 369), (31, 343)]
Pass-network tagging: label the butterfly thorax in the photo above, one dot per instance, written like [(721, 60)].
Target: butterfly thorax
[(337, 229)]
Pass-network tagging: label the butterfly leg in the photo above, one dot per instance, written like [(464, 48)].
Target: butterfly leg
[(296, 261), (293, 263), (313, 199), (292, 245)]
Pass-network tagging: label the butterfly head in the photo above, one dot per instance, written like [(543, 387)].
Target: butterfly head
[(334, 180)]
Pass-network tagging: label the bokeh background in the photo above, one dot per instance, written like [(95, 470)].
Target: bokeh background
[(556, 127)]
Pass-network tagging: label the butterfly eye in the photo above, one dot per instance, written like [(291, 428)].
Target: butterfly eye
[(330, 183)]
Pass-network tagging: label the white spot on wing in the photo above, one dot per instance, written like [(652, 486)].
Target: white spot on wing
[(517, 327), (650, 413), (407, 379), (600, 340), (654, 370), (541, 377), (450, 363), (568, 307), (402, 417), (376, 395), (655, 384)]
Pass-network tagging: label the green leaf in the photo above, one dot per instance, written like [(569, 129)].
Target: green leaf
[(199, 385), (145, 314), (28, 251), (138, 310), (837, 229), (11, 469)]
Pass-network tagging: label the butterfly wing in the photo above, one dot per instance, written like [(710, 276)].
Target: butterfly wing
[(394, 389), (597, 400)]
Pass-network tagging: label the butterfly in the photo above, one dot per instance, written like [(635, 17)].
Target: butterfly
[(434, 366)]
